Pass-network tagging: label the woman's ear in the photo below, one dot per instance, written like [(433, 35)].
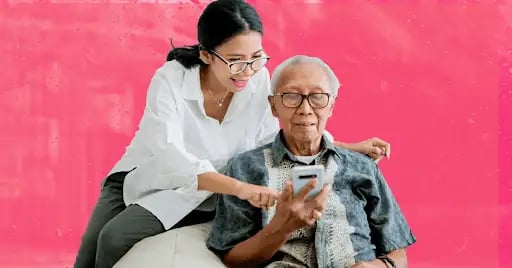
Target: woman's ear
[(205, 56)]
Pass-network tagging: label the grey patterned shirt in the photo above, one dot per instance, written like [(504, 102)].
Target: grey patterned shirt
[(362, 220)]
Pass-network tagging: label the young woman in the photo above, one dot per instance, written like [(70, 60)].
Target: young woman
[(207, 103)]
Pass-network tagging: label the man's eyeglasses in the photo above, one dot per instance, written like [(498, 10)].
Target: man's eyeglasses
[(237, 67), (294, 100)]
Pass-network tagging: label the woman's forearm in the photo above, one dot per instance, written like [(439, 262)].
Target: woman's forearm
[(218, 183), (258, 249)]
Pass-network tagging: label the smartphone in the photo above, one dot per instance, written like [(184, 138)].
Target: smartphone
[(301, 175)]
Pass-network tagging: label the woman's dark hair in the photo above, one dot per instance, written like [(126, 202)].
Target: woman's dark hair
[(220, 21)]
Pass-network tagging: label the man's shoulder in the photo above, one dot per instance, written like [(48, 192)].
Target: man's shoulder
[(251, 155), (248, 165), (355, 161)]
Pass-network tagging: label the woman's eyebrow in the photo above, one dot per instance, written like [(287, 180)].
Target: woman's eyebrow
[(241, 55)]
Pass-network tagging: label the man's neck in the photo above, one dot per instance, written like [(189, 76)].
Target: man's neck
[(306, 148)]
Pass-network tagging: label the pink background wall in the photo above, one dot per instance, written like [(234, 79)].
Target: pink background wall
[(432, 77)]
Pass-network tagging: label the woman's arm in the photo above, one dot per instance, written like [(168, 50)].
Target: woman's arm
[(258, 196), (217, 183)]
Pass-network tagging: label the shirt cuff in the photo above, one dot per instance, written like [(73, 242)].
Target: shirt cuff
[(205, 166)]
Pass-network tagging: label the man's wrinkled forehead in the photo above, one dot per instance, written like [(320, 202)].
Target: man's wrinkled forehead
[(303, 75)]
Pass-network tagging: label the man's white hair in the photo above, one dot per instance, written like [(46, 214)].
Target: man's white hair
[(334, 83)]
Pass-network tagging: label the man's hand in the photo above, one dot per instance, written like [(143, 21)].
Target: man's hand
[(295, 212), (358, 265), (258, 196), (370, 264)]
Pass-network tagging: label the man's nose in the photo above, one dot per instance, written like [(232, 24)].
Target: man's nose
[(304, 107)]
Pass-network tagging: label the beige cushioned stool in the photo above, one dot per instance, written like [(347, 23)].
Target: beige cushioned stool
[(182, 247)]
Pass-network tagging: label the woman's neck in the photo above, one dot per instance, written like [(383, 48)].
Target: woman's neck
[(210, 82)]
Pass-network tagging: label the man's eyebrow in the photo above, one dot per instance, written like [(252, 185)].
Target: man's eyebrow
[(241, 55), (295, 86)]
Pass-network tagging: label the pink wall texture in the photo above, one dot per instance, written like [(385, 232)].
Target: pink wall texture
[(434, 78)]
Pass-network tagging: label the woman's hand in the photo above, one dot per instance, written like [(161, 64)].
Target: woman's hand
[(374, 148), (295, 212), (258, 196)]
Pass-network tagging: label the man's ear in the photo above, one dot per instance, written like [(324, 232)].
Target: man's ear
[(272, 105), (331, 108), (205, 56)]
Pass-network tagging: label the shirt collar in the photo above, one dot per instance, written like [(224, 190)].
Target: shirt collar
[(279, 150), (191, 86)]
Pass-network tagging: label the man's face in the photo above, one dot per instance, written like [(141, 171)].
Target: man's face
[(305, 123)]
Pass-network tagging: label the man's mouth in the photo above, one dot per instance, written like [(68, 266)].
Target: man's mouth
[(304, 124)]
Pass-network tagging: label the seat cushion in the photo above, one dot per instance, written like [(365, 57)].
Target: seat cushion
[(182, 247)]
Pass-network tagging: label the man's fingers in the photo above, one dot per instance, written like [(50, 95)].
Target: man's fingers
[(321, 198), (316, 214), (306, 189)]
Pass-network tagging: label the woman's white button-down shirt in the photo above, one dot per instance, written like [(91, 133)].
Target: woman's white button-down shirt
[(176, 140)]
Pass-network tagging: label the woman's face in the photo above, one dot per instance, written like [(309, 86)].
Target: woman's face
[(245, 46)]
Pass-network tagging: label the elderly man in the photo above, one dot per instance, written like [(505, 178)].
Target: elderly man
[(353, 222)]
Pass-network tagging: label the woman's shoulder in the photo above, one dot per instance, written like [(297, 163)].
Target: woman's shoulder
[(172, 71), (176, 76)]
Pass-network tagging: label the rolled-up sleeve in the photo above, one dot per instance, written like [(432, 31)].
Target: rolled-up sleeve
[(169, 165), (389, 229)]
